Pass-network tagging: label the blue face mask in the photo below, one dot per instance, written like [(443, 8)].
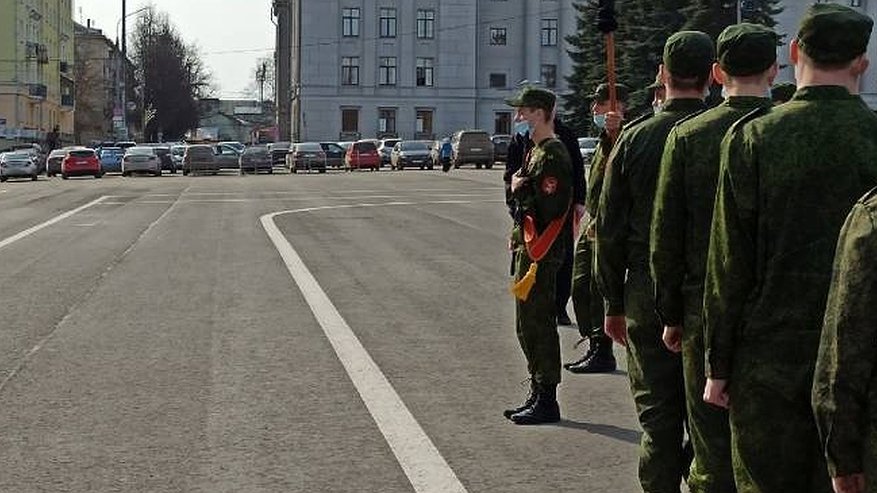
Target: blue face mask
[(600, 121), (522, 127)]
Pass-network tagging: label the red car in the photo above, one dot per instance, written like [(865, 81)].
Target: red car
[(79, 162), (363, 154)]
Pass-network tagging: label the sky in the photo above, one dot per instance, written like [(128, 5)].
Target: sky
[(231, 34)]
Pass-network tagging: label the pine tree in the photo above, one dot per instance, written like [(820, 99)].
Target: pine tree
[(588, 55), (761, 11), (710, 16)]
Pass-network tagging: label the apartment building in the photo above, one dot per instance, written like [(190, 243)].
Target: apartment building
[(420, 68), (36, 69), (98, 70)]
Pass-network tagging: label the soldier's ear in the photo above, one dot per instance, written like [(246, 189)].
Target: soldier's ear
[(793, 51), (860, 65), (718, 74)]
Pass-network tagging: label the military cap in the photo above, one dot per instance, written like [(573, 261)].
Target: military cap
[(832, 34), (689, 54), (601, 94), (533, 97), (746, 49), (782, 92)]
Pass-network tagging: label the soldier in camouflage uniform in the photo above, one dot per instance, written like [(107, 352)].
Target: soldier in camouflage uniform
[(789, 176), (680, 235), (845, 383), (586, 299), (542, 189), (623, 229)]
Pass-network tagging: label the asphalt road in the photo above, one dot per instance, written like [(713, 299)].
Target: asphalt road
[(155, 338)]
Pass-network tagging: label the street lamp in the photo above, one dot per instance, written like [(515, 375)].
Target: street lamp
[(125, 62)]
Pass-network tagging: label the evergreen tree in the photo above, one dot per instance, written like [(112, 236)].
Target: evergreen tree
[(760, 11), (589, 70)]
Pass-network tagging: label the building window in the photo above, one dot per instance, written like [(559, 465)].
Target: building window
[(387, 120), (498, 36), (350, 71), (350, 120), (426, 24), (424, 72), (388, 23), (549, 32), (549, 75), (502, 122), (424, 122), (497, 80), (350, 22), (387, 71)]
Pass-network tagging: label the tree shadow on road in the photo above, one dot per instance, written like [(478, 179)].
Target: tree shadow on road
[(611, 431)]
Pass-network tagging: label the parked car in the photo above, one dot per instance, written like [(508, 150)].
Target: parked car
[(278, 153), (53, 162), (255, 159), (17, 165), (386, 150), (441, 153), (81, 162), (362, 154), (35, 151), (306, 156), (111, 159), (410, 154), (334, 154), (501, 147), (227, 156), (587, 147), (472, 146), (125, 144), (199, 158), (141, 159), (177, 152), (163, 151)]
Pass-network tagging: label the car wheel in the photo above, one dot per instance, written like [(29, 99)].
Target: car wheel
[(271, 171), (293, 170), (3, 178), (64, 176), (174, 171), (99, 175), (33, 178), (489, 166), (185, 172), (477, 165), (322, 170)]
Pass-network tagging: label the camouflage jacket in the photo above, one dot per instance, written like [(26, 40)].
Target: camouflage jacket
[(624, 214), (845, 382), (684, 207), (788, 178)]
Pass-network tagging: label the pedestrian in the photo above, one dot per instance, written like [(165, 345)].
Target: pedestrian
[(623, 228), (52, 140), (586, 299), (542, 190), (681, 222), (519, 146), (789, 176), (844, 385)]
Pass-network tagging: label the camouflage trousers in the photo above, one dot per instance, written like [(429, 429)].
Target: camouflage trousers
[(708, 428), (774, 440), (586, 299), (656, 382), (536, 319)]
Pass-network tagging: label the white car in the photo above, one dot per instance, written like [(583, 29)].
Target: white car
[(141, 159), (17, 165)]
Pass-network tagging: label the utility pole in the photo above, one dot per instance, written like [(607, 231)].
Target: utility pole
[(124, 71), (282, 9)]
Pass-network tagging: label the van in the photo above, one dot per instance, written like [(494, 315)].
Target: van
[(472, 146)]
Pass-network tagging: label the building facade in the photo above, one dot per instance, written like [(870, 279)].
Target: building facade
[(787, 26), (98, 72), (420, 68), (36, 69)]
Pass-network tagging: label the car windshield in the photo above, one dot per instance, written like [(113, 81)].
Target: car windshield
[(16, 156), (255, 150), (413, 146), (141, 151), (308, 147), (111, 151), (366, 146), (82, 153)]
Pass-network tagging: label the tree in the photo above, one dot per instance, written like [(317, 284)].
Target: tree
[(589, 68), (713, 16), (172, 77)]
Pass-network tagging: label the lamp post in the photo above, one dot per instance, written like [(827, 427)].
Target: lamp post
[(121, 23)]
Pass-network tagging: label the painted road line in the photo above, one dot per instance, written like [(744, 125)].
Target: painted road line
[(422, 463), (24, 234)]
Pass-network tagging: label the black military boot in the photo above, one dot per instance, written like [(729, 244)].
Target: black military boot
[(544, 410), (602, 360), (587, 354), (531, 398)]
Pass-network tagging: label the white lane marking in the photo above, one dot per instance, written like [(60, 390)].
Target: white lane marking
[(422, 463), (29, 231)]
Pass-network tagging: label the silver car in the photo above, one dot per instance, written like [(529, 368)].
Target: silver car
[(17, 165), (141, 160)]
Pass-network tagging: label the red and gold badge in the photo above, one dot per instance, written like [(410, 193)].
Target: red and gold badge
[(549, 185)]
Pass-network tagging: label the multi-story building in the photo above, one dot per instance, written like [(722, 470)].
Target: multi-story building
[(98, 69), (421, 68), (787, 26), (36, 69)]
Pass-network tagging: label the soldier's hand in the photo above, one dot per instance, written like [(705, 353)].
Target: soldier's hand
[(613, 122), (854, 483), (716, 393), (518, 181), (673, 338), (615, 327)]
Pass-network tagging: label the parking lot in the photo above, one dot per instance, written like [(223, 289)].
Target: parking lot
[(288, 332)]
